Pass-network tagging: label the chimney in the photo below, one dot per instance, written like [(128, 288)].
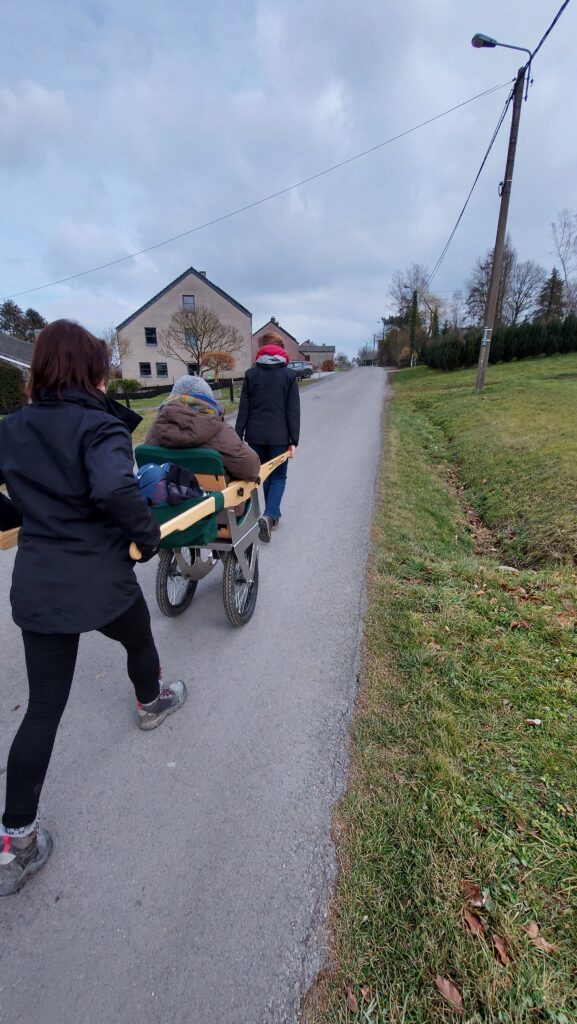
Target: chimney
[(202, 273), (273, 320)]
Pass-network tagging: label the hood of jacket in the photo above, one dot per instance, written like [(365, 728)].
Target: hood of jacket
[(182, 426)]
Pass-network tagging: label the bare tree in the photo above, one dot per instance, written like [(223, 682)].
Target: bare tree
[(404, 284), (564, 234), (365, 354), (220, 363), (478, 285), (193, 335), (525, 284), (454, 312), (118, 347)]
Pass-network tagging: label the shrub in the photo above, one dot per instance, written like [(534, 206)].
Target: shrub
[(328, 366), (128, 386), (12, 392)]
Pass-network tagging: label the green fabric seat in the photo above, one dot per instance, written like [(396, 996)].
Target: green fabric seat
[(196, 460)]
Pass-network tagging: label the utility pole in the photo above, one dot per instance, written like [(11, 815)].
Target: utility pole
[(501, 232)]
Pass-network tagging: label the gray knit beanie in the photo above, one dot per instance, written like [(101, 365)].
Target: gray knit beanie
[(193, 386)]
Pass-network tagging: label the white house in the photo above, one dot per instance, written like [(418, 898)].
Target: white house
[(140, 334)]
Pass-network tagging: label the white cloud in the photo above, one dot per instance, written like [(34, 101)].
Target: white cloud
[(32, 121)]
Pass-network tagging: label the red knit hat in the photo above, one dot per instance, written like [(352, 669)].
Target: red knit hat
[(272, 350)]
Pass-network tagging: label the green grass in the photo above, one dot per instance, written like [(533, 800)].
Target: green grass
[(516, 448), (448, 781)]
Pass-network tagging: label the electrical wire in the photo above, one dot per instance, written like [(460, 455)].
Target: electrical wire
[(472, 189), (495, 133), (549, 30), (259, 202)]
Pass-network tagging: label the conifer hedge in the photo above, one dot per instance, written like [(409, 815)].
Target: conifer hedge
[(520, 341), (11, 387)]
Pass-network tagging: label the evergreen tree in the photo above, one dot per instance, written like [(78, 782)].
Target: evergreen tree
[(413, 326), (435, 332), (34, 322), (12, 319), (551, 299)]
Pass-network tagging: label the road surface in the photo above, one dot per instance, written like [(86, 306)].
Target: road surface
[(192, 865)]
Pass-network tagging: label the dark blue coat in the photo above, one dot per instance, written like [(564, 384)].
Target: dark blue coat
[(269, 408), (68, 468)]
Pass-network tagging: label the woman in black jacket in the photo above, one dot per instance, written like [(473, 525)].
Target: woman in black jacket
[(67, 462), (269, 421)]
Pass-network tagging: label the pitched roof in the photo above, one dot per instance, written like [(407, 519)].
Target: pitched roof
[(176, 281), (15, 350), (309, 346), (274, 323)]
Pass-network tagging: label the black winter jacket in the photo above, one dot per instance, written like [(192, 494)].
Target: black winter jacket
[(269, 408), (68, 467)]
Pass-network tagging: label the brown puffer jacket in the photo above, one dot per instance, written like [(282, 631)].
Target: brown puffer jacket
[(179, 426)]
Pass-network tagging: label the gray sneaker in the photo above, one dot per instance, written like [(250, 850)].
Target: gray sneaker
[(170, 699), (264, 529), (22, 857)]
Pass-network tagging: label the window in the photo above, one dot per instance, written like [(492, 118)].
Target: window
[(192, 368), (162, 369), (144, 370), (188, 302), (150, 335)]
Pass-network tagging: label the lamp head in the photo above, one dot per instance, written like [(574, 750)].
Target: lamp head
[(479, 40)]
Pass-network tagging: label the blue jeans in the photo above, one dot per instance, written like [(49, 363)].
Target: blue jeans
[(275, 484)]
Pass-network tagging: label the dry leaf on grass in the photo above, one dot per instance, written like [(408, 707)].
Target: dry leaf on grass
[(474, 924), (449, 992), (499, 944), (352, 1002), (538, 941), (469, 890), (520, 624), (566, 619), (366, 993)]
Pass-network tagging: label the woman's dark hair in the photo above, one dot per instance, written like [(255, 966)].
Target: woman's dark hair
[(65, 353)]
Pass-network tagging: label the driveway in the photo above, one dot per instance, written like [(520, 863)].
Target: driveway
[(192, 865)]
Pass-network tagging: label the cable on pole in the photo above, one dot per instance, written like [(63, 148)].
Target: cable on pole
[(472, 189), (258, 202)]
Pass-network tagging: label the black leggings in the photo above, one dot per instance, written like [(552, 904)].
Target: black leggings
[(50, 661)]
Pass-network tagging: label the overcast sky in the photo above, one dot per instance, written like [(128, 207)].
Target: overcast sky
[(123, 122)]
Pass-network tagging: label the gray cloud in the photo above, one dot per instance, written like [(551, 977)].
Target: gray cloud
[(141, 121)]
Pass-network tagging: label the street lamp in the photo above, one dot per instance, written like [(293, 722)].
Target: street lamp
[(480, 41)]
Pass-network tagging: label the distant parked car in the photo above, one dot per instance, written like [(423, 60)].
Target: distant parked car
[(303, 370)]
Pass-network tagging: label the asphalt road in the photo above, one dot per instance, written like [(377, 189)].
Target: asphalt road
[(192, 865)]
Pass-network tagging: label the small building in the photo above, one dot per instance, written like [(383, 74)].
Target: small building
[(140, 335), (14, 350), (317, 354), (290, 343)]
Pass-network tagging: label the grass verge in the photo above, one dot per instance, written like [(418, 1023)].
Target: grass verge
[(454, 798)]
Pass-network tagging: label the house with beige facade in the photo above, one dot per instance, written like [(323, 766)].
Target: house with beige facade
[(317, 354), (140, 335), (289, 341)]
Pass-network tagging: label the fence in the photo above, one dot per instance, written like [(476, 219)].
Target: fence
[(226, 384)]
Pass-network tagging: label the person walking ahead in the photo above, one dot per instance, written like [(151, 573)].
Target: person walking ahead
[(67, 463), (269, 421)]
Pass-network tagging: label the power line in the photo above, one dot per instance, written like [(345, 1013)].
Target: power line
[(259, 202), (472, 189), (490, 146), (549, 30)]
